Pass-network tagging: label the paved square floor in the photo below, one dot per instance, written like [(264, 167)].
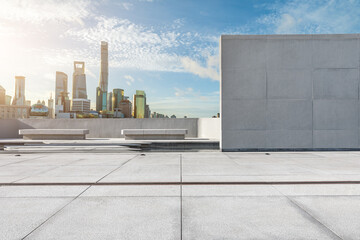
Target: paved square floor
[(180, 195)]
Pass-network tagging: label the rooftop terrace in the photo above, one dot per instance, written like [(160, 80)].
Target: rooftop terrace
[(91, 194)]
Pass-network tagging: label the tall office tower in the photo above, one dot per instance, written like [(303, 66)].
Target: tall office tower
[(102, 90), (8, 100), (64, 104), (2, 95), (104, 69), (51, 106), (98, 99), (147, 111), (61, 85), (79, 81), (19, 98), (101, 99), (139, 103), (125, 108), (109, 101), (117, 97)]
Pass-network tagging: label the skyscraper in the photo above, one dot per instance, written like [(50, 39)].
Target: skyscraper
[(147, 111), (61, 85), (8, 100), (2, 95), (139, 103), (117, 97), (102, 90), (104, 68), (109, 101), (19, 98), (125, 108), (51, 106), (79, 81)]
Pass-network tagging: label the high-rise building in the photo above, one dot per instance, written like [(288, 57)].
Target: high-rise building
[(117, 97), (139, 104), (8, 100), (64, 102), (109, 101), (79, 81), (104, 67), (61, 85), (19, 98), (51, 107), (102, 101), (80, 105), (125, 108), (147, 111), (2, 95), (98, 99)]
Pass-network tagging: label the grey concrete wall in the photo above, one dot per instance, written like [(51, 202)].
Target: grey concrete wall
[(99, 128), (289, 91)]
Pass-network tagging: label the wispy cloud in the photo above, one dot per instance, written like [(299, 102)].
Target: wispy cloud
[(129, 80), (208, 71), (308, 16), (40, 12), (126, 5)]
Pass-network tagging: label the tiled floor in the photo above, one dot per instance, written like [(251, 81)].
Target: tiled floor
[(178, 196)]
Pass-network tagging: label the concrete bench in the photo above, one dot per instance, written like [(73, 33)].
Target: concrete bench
[(54, 134), (154, 134)]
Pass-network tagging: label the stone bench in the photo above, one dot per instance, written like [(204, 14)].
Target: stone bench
[(154, 134), (54, 134)]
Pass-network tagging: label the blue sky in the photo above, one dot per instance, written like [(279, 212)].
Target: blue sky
[(168, 48)]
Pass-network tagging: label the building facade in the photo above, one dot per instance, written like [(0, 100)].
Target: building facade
[(80, 105), (8, 100), (19, 98), (102, 101), (139, 104), (79, 81), (2, 96), (124, 107), (14, 112), (61, 86), (117, 97)]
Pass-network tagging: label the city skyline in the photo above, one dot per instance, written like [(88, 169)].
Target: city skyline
[(169, 49)]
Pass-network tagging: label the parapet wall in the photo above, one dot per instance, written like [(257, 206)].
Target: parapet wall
[(111, 128), (290, 92)]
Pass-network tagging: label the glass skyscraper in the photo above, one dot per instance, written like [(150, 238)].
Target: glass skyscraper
[(139, 103)]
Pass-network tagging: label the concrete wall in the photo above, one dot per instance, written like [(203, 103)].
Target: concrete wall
[(111, 128), (209, 128), (290, 92)]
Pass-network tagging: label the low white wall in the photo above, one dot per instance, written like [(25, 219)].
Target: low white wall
[(99, 128), (111, 128), (209, 128)]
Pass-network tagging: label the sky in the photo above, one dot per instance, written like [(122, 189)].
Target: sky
[(168, 48)]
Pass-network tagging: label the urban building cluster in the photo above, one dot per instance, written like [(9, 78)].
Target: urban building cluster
[(109, 104)]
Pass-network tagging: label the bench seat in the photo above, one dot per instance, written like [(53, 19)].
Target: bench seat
[(154, 134), (54, 134)]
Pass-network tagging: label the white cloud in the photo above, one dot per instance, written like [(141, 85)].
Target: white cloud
[(189, 93), (131, 45), (208, 71), (129, 79), (40, 12), (308, 16), (126, 5)]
